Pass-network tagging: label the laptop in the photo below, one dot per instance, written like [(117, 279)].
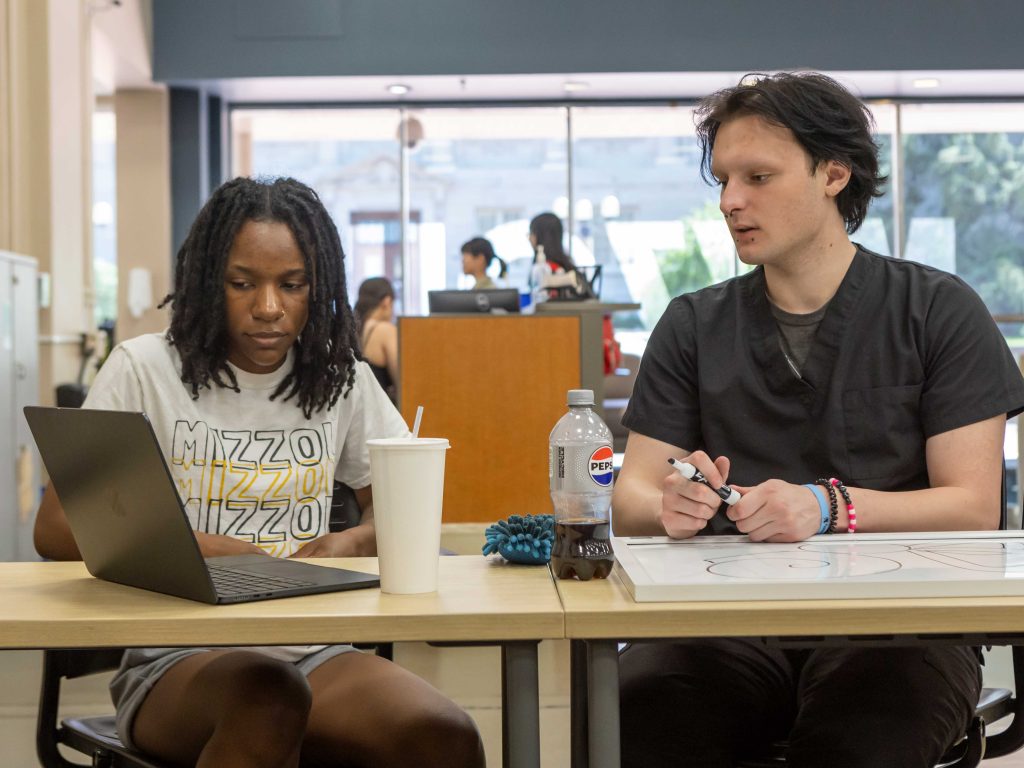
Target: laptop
[(130, 526)]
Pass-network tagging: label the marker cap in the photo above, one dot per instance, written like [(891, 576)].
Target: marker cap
[(686, 470)]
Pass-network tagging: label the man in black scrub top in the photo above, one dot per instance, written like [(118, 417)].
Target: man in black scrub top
[(825, 361)]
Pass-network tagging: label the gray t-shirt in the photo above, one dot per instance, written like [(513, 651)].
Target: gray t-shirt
[(796, 332)]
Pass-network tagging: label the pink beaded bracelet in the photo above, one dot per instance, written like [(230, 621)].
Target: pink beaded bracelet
[(851, 511)]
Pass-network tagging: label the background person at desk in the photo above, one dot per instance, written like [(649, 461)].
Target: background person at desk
[(546, 230), (825, 361), (477, 255), (378, 336), (258, 401)]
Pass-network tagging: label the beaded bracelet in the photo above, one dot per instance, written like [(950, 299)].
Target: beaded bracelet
[(851, 511), (832, 502)]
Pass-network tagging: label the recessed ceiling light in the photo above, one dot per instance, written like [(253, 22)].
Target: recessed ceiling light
[(572, 86), (398, 89), (926, 82)]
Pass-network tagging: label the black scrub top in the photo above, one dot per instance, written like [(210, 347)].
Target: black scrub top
[(903, 352)]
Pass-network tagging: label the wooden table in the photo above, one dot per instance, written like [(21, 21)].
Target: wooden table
[(58, 605), (602, 613)]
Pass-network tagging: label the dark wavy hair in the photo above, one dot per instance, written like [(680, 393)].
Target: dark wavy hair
[(481, 246), (324, 367), (547, 228), (828, 121), (372, 291)]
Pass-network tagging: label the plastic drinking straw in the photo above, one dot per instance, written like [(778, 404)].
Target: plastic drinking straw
[(416, 423)]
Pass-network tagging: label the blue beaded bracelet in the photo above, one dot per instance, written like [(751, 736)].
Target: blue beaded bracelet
[(826, 518)]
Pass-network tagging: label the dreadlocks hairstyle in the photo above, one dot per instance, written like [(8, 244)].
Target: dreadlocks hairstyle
[(324, 368), (828, 121)]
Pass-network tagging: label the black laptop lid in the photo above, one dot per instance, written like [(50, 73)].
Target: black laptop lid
[(120, 500)]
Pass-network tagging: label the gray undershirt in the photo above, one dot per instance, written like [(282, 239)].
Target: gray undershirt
[(796, 332)]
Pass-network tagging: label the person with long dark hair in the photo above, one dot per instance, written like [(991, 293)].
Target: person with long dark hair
[(260, 402), (546, 231), (838, 391), (477, 256), (378, 336)]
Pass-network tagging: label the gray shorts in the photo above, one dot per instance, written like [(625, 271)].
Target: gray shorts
[(141, 668)]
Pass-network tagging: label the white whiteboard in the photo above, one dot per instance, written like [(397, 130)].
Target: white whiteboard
[(956, 564)]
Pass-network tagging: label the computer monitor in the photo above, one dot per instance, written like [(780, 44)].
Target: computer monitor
[(494, 301)]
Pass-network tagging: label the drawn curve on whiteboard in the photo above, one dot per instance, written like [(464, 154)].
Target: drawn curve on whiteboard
[(988, 556), (801, 564), (825, 560)]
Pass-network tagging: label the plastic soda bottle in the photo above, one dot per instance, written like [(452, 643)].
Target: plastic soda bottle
[(538, 274), (580, 475)]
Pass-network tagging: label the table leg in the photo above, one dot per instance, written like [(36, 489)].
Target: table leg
[(578, 704), (603, 703), (520, 703)]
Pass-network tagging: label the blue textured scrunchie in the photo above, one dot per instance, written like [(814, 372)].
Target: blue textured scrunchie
[(522, 538)]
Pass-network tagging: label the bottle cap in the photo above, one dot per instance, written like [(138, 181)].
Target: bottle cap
[(581, 397)]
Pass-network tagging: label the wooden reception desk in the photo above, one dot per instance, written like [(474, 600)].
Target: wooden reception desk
[(494, 385)]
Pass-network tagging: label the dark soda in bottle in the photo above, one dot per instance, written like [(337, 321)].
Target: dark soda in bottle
[(580, 475), (582, 549)]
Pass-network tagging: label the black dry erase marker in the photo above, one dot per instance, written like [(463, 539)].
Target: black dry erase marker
[(727, 494)]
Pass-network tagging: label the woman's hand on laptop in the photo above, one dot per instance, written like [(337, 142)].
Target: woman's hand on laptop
[(359, 541), (215, 545)]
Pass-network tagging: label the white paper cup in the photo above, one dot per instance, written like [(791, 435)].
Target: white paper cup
[(408, 488)]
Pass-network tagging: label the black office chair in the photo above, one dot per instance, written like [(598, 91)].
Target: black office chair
[(97, 737)]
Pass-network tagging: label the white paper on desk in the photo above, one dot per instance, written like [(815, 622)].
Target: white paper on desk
[(950, 564)]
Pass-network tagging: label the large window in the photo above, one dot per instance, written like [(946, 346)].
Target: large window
[(480, 173), (636, 204), (964, 199), (877, 232), (641, 210)]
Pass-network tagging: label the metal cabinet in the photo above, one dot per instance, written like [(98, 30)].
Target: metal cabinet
[(19, 386)]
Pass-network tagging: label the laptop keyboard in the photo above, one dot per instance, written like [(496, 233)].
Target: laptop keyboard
[(228, 581)]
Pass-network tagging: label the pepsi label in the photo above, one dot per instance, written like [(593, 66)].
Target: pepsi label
[(600, 466), (581, 468)]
